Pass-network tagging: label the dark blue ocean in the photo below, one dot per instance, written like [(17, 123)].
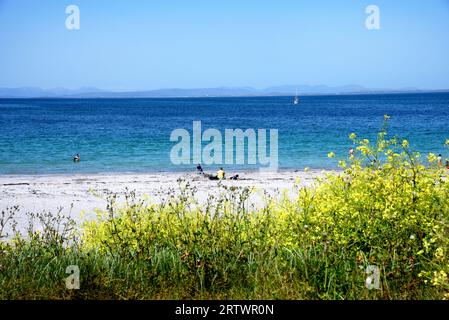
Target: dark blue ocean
[(40, 136)]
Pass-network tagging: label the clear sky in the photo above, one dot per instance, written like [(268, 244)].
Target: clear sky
[(139, 45)]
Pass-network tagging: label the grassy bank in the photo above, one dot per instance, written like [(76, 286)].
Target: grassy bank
[(377, 230)]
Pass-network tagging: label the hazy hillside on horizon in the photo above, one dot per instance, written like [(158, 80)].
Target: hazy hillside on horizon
[(92, 92)]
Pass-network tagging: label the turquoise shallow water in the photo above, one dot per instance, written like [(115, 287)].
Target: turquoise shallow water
[(133, 135)]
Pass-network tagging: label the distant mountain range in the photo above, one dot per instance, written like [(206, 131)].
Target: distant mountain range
[(288, 90)]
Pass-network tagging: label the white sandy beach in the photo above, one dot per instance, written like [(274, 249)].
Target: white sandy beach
[(86, 192)]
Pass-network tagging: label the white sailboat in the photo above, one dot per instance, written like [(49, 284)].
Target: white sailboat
[(296, 100)]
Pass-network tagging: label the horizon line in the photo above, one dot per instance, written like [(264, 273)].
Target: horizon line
[(373, 93), (223, 91)]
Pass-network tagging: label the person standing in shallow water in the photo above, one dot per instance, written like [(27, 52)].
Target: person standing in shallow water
[(351, 153), (440, 161)]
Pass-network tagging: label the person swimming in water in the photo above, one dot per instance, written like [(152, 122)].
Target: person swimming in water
[(77, 158)]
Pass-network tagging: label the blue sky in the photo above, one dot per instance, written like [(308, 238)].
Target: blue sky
[(139, 45)]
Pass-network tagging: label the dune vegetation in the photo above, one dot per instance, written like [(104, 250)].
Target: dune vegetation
[(377, 229)]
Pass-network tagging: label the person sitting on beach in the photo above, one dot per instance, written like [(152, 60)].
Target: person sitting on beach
[(77, 158), (234, 177), (221, 174), (199, 169), (447, 164)]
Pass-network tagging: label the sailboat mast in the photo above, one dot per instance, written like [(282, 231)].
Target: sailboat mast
[(296, 100)]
